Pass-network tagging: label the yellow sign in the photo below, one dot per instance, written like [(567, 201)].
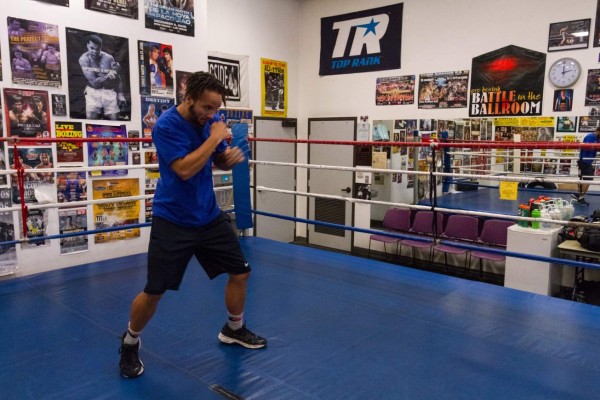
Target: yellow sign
[(508, 190)]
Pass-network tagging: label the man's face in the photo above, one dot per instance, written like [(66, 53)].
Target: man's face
[(18, 54), (18, 106), (94, 49), (51, 49), (154, 54), (44, 158), (203, 109)]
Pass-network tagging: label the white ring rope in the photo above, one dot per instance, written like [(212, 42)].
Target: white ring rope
[(427, 208), (509, 178), (77, 168)]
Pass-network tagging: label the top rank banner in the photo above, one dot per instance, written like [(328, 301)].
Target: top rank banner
[(362, 41)]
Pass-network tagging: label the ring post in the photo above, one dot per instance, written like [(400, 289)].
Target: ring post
[(241, 179)]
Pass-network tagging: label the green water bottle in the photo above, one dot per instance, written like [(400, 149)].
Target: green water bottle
[(536, 214)]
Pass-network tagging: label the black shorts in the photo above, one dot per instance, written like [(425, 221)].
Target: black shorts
[(172, 246), (586, 170)]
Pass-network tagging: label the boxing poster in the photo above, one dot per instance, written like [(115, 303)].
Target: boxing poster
[(569, 35), (507, 82), (116, 213), (273, 79), (68, 153), (98, 66), (156, 69), (64, 3), (73, 220), (152, 108), (592, 88), (107, 153), (35, 52), (8, 254), (71, 186), (596, 39), (181, 77), (59, 105), (123, 8), (232, 70), (443, 89), (175, 16), (37, 223), (26, 113), (30, 159), (3, 178), (395, 90)]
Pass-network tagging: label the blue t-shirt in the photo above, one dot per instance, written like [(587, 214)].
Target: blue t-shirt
[(191, 202), (588, 153)]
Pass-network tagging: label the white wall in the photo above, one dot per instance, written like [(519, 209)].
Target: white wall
[(437, 36), (259, 29)]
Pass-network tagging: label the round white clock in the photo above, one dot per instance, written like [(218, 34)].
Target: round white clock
[(564, 72)]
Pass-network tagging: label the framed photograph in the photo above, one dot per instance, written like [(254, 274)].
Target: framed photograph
[(566, 124), (569, 35)]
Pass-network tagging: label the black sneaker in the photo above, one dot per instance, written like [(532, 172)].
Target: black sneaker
[(581, 200), (242, 336), (131, 366)]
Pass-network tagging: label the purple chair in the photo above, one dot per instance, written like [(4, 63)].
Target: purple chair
[(423, 225), (394, 220), (459, 228), (493, 234)]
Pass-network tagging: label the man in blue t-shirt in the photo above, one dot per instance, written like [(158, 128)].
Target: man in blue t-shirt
[(187, 221), (586, 165)]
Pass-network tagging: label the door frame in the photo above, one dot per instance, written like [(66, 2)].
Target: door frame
[(354, 120)]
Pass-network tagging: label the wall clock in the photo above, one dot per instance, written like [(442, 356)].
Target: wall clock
[(564, 72)]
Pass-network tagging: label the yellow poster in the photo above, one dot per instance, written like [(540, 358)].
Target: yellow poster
[(508, 190), (274, 87), (110, 214)]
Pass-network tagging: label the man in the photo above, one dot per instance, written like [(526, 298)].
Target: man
[(165, 64), (51, 61), (157, 76), (104, 92), (45, 163), (586, 165), (21, 66), (14, 27), (186, 219)]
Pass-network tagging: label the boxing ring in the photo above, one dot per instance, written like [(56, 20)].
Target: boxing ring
[(339, 326)]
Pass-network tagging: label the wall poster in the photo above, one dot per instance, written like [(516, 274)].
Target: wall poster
[(395, 90), (123, 8), (36, 52), (156, 69), (98, 66), (273, 88), (507, 82), (569, 35), (118, 213), (232, 70), (443, 89), (175, 16)]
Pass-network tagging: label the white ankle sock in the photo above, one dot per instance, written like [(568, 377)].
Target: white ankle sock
[(131, 337), (235, 321)]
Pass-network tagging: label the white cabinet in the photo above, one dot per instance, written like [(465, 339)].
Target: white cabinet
[(528, 275)]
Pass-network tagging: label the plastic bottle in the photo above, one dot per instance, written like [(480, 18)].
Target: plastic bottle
[(536, 214), (545, 214), (523, 212)]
